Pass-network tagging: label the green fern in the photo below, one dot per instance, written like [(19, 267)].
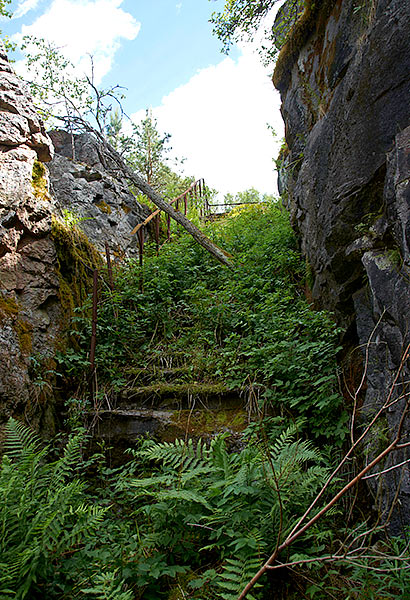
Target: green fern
[(202, 501), (178, 454), (107, 586), (236, 574), (43, 514)]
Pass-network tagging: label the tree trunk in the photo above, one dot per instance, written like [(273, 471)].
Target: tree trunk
[(218, 253)]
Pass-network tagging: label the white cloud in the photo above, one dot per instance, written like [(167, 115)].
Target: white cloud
[(218, 122), (24, 7), (82, 27)]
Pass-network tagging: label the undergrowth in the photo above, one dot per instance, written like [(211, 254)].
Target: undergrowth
[(196, 519), (250, 328), (180, 520)]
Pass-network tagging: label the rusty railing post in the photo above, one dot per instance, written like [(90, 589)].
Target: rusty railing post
[(141, 256), (109, 267), (93, 343)]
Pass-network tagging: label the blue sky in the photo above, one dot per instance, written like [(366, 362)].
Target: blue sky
[(163, 51)]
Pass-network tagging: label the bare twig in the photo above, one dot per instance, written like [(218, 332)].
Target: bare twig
[(298, 529)]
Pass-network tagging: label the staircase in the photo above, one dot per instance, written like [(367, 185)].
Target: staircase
[(164, 401)]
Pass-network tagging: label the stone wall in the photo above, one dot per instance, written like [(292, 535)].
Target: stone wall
[(29, 304), (344, 79)]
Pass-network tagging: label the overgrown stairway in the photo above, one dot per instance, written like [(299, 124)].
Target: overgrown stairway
[(164, 400), (194, 344)]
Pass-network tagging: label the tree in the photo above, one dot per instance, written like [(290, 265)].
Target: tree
[(150, 148), (250, 196), (5, 13), (113, 130), (3, 10), (241, 19), (62, 97), (81, 106), (145, 150)]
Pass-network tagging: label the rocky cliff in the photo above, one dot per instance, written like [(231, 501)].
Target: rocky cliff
[(344, 80), (46, 264), (29, 285), (103, 206)]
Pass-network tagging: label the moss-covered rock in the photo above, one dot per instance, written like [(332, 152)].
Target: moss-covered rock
[(76, 260), (39, 181)]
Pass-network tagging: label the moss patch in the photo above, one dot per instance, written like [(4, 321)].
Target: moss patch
[(24, 332), (77, 258), (163, 388), (103, 206), (9, 310), (39, 181), (203, 423)]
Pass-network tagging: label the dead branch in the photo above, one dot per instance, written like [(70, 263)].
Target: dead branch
[(298, 529), (201, 238)]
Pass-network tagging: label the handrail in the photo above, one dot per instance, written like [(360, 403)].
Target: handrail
[(199, 183)]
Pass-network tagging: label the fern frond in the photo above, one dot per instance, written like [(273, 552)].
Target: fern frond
[(282, 442), (20, 440), (180, 495), (219, 455), (107, 586), (72, 457), (179, 455), (236, 574)]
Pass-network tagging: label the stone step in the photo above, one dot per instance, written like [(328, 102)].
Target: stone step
[(157, 374), (174, 396), (120, 428)]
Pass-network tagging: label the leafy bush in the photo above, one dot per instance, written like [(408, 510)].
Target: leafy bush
[(204, 505)]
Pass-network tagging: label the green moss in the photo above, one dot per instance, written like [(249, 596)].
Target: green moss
[(200, 423), (24, 332), (283, 153), (396, 258), (103, 206), (77, 258), (312, 19), (39, 181), (200, 389), (9, 310)]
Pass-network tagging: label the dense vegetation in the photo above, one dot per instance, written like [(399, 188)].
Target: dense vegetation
[(250, 328), (194, 519)]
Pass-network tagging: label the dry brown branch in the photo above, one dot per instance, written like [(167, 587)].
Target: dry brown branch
[(201, 238), (156, 212), (299, 529), (363, 379)]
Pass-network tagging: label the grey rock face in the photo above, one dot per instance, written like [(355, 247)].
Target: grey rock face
[(19, 122), (106, 209), (29, 305), (345, 102)]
